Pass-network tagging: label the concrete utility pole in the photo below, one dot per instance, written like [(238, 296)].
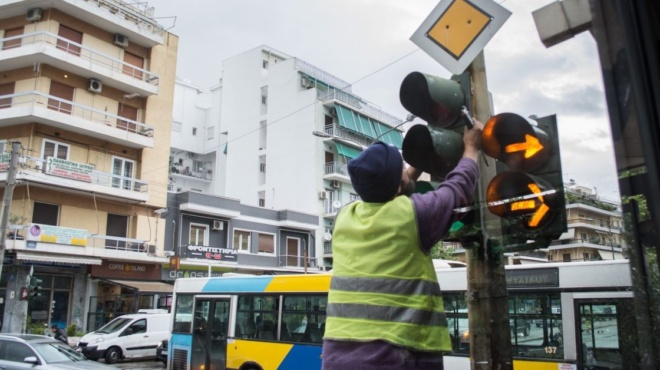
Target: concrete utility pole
[(487, 296), (6, 199)]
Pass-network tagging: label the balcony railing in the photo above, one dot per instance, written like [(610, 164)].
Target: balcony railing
[(327, 248), (37, 99), (335, 168), (202, 174), (593, 222), (131, 12), (359, 104), (592, 241), (348, 135), (18, 232), (297, 261), (94, 177), (86, 54)]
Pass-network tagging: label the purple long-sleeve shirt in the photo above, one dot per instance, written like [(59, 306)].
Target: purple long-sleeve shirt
[(431, 208), (434, 212)]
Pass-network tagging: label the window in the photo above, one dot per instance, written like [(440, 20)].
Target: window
[(304, 317), (242, 241), (266, 243), (69, 40), (194, 131), (210, 133), (293, 252), (62, 97), (55, 149), (117, 226), (262, 202), (264, 95), (354, 197), (16, 352), (262, 167), (46, 214), (264, 64), (198, 234), (183, 314), (256, 317), (13, 43), (6, 89), (131, 115), (133, 66), (122, 173), (198, 166)]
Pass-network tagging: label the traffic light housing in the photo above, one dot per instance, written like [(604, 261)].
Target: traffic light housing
[(528, 190), (34, 287), (437, 148)]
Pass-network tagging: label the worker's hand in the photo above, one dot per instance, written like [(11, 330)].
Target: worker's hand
[(472, 140)]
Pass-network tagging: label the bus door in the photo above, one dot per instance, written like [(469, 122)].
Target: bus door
[(606, 334), (210, 325)]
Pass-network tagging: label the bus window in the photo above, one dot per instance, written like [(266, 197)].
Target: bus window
[(303, 318), (183, 314)]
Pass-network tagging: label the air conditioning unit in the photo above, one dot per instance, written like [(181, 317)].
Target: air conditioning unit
[(218, 225), (34, 15), (335, 184), (322, 195), (94, 85), (121, 40), (151, 249)]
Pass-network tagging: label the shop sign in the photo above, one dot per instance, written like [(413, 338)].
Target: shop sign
[(69, 169), (213, 253), (124, 270), (57, 234), (4, 162), (171, 275)]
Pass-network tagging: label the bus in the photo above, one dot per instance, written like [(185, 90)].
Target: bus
[(574, 316)]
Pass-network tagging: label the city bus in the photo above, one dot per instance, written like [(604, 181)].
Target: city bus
[(562, 316)]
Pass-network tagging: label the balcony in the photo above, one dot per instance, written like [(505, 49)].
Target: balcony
[(336, 171), (76, 243), (327, 248), (350, 137), (49, 48), (80, 178), (133, 20), (178, 170), (35, 106)]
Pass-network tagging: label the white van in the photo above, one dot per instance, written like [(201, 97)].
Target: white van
[(129, 336)]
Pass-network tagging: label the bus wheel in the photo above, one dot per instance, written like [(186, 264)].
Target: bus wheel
[(112, 355)]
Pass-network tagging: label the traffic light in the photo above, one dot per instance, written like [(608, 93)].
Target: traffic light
[(437, 148), (528, 190), (34, 288)]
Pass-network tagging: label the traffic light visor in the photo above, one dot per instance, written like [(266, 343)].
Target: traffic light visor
[(516, 141)]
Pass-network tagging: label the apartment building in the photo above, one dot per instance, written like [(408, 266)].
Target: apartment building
[(255, 142), (86, 88)]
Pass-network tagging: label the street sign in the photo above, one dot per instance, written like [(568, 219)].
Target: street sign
[(457, 30)]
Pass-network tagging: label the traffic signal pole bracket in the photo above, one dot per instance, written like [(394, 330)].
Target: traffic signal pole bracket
[(487, 295)]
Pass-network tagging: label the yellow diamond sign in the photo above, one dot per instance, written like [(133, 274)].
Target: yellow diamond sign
[(457, 30), (458, 27)]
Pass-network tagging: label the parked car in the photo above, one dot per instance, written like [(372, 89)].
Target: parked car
[(133, 336), (39, 352), (161, 351)]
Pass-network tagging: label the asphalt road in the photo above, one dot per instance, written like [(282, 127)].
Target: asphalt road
[(140, 365)]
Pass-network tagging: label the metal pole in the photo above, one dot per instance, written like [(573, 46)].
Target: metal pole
[(6, 199), (487, 295)]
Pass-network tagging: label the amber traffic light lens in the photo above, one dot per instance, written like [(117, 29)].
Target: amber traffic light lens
[(515, 141)]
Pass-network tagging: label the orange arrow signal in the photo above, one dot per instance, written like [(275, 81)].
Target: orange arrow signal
[(531, 204), (531, 146)]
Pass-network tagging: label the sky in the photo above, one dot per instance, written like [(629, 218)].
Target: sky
[(367, 43)]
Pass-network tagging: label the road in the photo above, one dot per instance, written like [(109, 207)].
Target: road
[(140, 365)]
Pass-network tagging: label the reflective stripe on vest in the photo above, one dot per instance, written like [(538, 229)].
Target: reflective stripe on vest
[(397, 314), (385, 286)]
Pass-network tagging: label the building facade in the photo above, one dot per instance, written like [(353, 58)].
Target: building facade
[(87, 90), (255, 141)]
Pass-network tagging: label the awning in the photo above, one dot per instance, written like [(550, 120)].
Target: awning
[(347, 151), (570, 234), (52, 258), (146, 286), (607, 255), (369, 127)]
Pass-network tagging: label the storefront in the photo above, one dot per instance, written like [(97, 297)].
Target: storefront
[(122, 287)]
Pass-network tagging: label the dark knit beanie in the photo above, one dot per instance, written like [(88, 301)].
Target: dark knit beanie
[(376, 172)]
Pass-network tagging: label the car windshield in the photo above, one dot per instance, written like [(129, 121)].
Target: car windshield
[(54, 352), (113, 326)]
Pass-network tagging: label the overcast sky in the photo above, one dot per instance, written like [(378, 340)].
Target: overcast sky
[(367, 43)]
